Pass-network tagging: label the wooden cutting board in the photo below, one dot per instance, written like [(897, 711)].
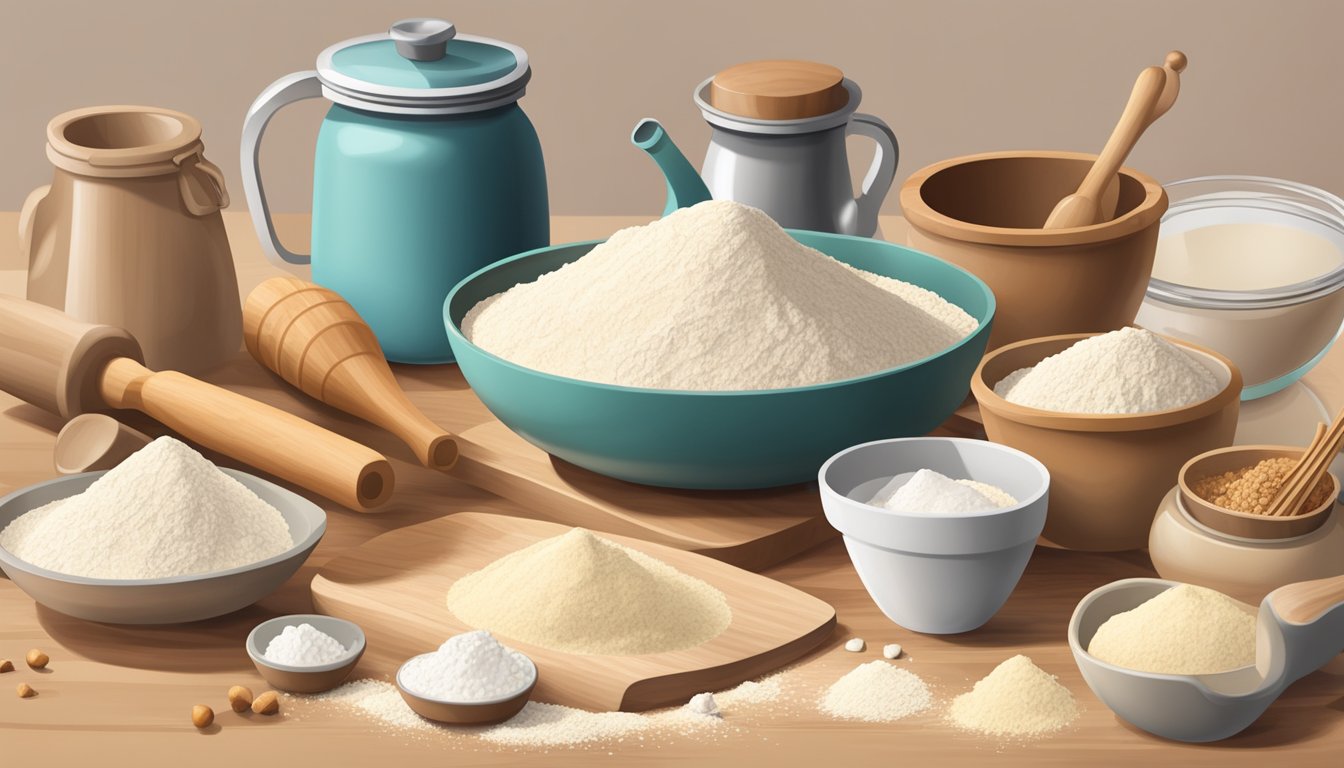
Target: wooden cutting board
[(395, 587)]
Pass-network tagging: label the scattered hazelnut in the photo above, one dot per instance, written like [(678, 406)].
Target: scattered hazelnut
[(37, 659), (6, 665), (202, 716), (268, 703), (26, 691), (240, 698)]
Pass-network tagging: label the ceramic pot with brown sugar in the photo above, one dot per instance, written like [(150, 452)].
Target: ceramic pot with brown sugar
[(129, 234)]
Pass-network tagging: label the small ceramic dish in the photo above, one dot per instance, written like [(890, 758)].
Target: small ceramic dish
[(314, 679), (170, 600), (487, 712), (936, 573)]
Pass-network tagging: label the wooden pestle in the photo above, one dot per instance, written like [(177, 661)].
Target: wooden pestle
[(68, 367), (316, 341)]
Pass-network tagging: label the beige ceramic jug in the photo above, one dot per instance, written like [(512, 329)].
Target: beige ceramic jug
[(129, 234)]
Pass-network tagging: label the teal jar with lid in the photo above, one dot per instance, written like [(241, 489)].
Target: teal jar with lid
[(425, 171)]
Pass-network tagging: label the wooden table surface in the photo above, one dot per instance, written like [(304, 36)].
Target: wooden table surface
[(122, 695)]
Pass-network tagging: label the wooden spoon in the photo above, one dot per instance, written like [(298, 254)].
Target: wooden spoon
[(1174, 65)]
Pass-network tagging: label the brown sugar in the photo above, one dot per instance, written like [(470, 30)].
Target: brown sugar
[(1252, 489)]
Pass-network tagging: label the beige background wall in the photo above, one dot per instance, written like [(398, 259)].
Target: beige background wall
[(1262, 94)]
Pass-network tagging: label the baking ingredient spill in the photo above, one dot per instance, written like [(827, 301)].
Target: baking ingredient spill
[(1252, 489), (541, 725), (1018, 699), (927, 491), (1185, 630), (582, 593), (304, 646), (713, 297), (877, 692), (469, 667), (1131, 370), (165, 511)]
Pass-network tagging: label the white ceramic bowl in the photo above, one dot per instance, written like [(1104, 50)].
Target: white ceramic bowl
[(1274, 334), (167, 600), (936, 573)]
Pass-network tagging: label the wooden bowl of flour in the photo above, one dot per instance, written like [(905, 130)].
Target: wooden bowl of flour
[(1108, 472)]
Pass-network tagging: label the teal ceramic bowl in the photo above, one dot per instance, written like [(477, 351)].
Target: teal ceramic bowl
[(723, 440)]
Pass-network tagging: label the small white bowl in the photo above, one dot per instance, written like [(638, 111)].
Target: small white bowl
[(936, 573)]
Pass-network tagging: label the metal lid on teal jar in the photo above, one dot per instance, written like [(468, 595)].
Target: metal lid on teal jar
[(422, 66)]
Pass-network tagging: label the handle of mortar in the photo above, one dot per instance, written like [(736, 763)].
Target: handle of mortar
[(27, 216)]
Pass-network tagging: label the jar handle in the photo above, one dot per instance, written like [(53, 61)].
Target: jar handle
[(201, 183), (861, 218), (27, 219), (286, 90)]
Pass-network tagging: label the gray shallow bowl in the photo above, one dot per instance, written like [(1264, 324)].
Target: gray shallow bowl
[(167, 600), (936, 573), (314, 679)]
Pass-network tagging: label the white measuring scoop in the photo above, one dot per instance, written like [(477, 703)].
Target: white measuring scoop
[(1300, 628)]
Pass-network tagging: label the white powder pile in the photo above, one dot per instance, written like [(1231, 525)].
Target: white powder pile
[(927, 491), (469, 667), (1017, 699), (1186, 630), (304, 646), (581, 593), (1131, 370), (877, 692), (165, 511), (541, 725), (713, 297)]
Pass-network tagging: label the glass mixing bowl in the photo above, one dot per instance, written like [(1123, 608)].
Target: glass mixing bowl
[(1251, 267)]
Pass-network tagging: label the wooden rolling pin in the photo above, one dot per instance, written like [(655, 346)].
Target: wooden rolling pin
[(318, 342), (68, 367)]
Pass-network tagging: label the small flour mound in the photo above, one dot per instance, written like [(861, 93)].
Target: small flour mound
[(713, 297), (877, 692), (927, 491), (469, 667), (1017, 699), (1185, 630), (304, 646), (165, 511), (581, 593), (1131, 370)]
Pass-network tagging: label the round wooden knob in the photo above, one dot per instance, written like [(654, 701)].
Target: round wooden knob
[(779, 90)]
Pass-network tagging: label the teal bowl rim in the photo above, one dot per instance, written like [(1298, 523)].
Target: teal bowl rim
[(981, 324)]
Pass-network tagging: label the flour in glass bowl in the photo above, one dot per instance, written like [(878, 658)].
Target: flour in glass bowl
[(713, 297)]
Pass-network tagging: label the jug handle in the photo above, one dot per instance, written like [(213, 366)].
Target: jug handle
[(286, 90), (192, 162), (27, 216), (877, 182)]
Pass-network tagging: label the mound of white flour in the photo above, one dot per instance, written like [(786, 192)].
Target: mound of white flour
[(1131, 370), (713, 297), (164, 511)]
